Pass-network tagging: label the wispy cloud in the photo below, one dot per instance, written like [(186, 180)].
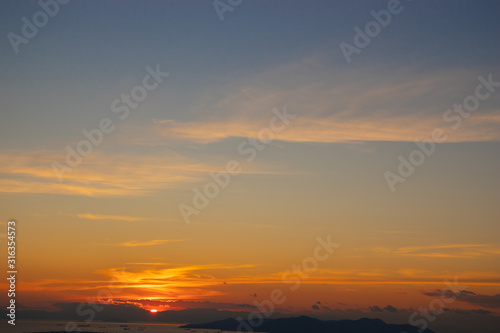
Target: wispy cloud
[(465, 251), (394, 232), (183, 282), (411, 249), (114, 217), (197, 282), (106, 175), (148, 263), (186, 304), (149, 243), (388, 106), (334, 129), (487, 301), (99, 176)]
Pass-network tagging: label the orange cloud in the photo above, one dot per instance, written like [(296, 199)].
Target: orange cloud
[(350, 107), (99, 175), (114, 217), (149, 243), (103, 175), (205, 281), (445, 251), (336, 129)]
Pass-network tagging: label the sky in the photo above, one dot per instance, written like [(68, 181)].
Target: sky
[(225, 143)]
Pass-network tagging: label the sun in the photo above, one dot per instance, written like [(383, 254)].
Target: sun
[(153, 311)]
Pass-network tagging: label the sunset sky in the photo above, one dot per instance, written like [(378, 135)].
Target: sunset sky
[(114, 222)]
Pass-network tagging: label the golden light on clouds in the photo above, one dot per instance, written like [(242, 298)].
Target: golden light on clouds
[(112, 217), (149, 243)]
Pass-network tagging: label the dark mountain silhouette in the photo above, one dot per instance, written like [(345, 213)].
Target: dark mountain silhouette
[(310, 325)]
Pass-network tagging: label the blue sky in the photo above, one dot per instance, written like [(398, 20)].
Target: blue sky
[(94, 48)]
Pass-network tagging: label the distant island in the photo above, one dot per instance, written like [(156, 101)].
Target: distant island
[(305, 324)]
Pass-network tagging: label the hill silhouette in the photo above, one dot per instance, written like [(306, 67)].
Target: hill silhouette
[(305, 324)]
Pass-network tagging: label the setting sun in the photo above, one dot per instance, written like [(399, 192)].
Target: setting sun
[(153, 311)]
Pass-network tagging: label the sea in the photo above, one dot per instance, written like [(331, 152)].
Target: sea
[(30, 326)]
